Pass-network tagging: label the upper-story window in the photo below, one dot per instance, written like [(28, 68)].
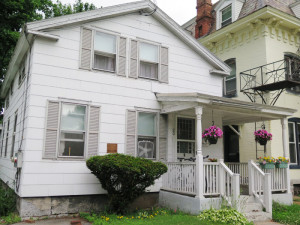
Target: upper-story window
[(226, 16), (148, 61), (230, 81), (292, 65), (22, 72), (125, 57), (105, 51)]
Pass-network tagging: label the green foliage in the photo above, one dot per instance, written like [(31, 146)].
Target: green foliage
[(124, 177), (10, 219), (148, 217), (286, 214), (7, 201), (225, 216), (15, 13)]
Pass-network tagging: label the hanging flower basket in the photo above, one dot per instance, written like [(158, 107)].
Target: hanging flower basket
[(262, 136), (212, 134)]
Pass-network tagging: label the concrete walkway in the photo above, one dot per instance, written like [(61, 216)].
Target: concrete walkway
[(64, 221), (266, 223)]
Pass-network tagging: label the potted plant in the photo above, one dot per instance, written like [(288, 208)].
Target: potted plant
[(262, 136), (213, 160), (212, 134), (282, 162), (267, 162)]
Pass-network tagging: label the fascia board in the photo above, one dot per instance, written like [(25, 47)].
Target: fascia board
[(19, 52), (102, 13), (294, 4)]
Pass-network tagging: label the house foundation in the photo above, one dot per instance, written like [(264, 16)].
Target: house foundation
[(64, 205)]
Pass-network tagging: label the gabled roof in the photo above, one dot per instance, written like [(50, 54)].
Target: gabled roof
[(40, 27)]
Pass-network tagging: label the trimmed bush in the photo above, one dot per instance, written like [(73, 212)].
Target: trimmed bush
[(124, 177)]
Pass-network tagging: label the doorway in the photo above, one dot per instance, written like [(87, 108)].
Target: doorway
[(231, 144)]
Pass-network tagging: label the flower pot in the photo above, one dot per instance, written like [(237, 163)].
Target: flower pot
[(213, 141), (267, 166), (262, 141), (281, 165)]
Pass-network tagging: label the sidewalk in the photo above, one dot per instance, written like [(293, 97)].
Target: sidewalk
[(266, 223)]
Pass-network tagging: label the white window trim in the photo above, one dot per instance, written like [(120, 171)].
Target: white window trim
[(176, 130), (140, 40), (157, 132), (105, 31), (221, 8), (295, 142)]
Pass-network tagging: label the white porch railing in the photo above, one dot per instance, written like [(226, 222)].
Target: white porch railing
[(240, 168), (260, 185), (278, 179), (181, 177), (229, 185), (211, 178)]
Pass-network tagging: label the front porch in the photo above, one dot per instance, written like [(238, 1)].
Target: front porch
[(199, 185)]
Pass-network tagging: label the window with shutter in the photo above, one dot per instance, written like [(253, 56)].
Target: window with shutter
[(68, 135), (142, 134), (86, 48)]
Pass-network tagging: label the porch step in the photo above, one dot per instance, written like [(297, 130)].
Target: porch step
[(253, 210)]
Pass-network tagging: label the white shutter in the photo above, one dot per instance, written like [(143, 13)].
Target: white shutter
[(122, 57), (86, 48), (51, 130), (164, 65), (163, 134), (93, 132), (131, 133), (133, 59)]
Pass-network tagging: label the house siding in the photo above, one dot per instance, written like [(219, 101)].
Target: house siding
[(56, 74)]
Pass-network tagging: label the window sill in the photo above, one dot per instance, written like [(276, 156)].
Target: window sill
[(109, 71), (294, 166), (147, 78)]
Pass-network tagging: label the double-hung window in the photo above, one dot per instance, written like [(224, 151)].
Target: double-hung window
[(294, 141), (186, 140), (105, 51), (147, 132), (226, 16), (14, 135), (149, 60), (72, 130), (22, 73), (230, 81), (6, 141)]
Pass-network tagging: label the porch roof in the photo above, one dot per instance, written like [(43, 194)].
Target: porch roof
[(232, 111)]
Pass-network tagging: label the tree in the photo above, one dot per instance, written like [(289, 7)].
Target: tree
[(15, 13)]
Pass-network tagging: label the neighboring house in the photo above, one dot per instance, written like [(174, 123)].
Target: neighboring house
[(123, 79), (259, 40)]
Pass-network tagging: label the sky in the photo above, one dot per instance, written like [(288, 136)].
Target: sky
[(179, 10)]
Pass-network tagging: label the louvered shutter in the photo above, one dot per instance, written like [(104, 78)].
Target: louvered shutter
[(51, 130), (164, 65), (131, 133), (122, 57), (93, 132), (86, 49), (133, 59), (163, 135)]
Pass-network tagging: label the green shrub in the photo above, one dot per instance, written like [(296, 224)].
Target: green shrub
[(286, 214), (225, 216), (124, 177), (11, 218), (7, 201)]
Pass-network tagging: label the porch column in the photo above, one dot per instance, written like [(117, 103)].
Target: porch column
[(285, 135), (199, 156)]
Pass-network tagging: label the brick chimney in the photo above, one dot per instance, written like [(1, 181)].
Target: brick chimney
[(204, 18)]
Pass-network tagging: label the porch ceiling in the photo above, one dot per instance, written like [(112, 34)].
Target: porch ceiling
[(232, 111)]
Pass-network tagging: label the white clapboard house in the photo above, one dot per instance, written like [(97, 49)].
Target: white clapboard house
[(124, 79)]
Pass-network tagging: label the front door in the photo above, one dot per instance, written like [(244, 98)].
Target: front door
[(186, 137), (231, 144)]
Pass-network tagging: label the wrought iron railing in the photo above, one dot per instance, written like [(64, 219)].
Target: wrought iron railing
[(272, 76)]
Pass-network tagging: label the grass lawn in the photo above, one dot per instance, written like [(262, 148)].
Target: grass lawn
[(157, 217), (286, 214)]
